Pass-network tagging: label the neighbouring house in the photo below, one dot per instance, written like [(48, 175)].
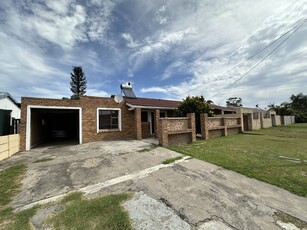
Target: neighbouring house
[(9, 114), (255, 118), (221, 110)]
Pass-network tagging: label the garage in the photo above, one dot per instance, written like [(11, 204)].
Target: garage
[(49, 125)]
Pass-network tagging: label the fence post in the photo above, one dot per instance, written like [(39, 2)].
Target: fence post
[(204, 126), (137, 123), (164, 132), (9, 145), (225, 124), (192, 125), (157, 116)]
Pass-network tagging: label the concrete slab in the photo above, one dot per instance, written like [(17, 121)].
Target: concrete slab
[(78, 166), (148, 213)]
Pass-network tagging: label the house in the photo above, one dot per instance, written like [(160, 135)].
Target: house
[(256, 118), (9, 114), (93, 118)]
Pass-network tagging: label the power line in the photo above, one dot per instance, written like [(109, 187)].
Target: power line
[(269, 54), (250, 57)]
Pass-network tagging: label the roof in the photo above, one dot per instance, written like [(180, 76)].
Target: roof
[(222, 108), (151, 103), (7, 95)]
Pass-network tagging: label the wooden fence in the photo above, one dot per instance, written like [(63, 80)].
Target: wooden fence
[(9, 145)]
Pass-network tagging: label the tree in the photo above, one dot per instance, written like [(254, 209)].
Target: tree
[(78, 82), (297, 106), (234, 101), (194, 104)]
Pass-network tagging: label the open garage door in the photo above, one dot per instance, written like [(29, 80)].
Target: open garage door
[(53, 125)]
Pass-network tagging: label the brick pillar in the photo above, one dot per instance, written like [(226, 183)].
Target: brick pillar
[(192, 125), (225, 126), (157, 116), (204, 125), (164, 133), (137, 123)]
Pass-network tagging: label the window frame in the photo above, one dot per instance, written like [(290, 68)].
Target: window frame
[(119, 120)]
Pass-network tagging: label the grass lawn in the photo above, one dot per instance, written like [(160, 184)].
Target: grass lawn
[(10, 183), (278, 157), (100, 213)]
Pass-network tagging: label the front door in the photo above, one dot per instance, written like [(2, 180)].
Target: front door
[(245, 122)]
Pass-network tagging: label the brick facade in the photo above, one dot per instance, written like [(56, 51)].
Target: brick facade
[(219, 126), (89, 106), (177, 130)]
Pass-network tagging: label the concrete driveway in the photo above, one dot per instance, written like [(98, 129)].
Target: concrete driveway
[(189, 194)]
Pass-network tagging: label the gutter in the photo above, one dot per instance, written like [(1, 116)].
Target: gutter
[(148, 107)]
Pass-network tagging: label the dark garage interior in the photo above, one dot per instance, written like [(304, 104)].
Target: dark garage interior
[(54, 126)]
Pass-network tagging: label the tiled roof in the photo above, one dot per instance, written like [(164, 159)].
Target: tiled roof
[(151, 102), (161, 103), (223, 108)]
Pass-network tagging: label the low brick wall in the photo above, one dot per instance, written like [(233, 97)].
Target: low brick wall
[(9, 145), (176, 130), (219, 126)]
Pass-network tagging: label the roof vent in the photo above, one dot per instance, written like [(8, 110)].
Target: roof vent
[(127, 90)]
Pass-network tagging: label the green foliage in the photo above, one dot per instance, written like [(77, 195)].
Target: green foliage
[(234, 101), (194, 104), (100, 213), (43, 160), (297, 106), (9, 183), (22, 219), (171, 160), (78, 82)]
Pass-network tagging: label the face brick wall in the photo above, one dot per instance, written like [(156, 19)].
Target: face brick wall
[(89, 107)]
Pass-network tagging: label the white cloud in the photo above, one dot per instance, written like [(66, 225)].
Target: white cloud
[(100, 18), (154, 89), (130, 42), (60, 7), (97, 92)]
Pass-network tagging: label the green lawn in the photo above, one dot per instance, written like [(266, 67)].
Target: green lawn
[(100, 213), (278, 157)]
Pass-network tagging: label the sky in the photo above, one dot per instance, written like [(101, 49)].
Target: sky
[(166, 48)]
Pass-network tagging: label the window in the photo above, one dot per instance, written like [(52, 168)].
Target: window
[(144, 117), (108, 119), (162, 113), (256, 115)]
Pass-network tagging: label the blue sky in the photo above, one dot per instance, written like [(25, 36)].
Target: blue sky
[(167, 49)]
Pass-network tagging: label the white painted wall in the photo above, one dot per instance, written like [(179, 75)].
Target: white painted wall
[(6, 103)]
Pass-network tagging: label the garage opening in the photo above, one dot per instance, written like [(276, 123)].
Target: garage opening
[(50, 126)]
